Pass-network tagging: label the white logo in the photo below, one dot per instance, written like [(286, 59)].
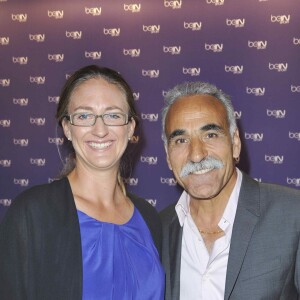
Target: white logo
[(38, 121), (56, 14), (294, 181), (193, 25), (214, 47), (255, 137), (75, 35), (112, 31), (150, 117), (40, 38), (21, 101), (234, 69), (168, 181), (237, 23), (19, 17), (5, 202), (259, 45), (151, 28), (294, 88), (54, 99), (56, 57), (296, 41), (21, 182), (132, 7), (281, 67), (294, 135), (131, 181), (150, 73), (5, 82), (5, 123), (4, 41), (37, 80), (281, 19), (191, 71), (136, 96), (176, 4), (150, 160), (134, 139), (238, 115), (23, 60), (21, 142), (278, 114), (256, 91), (93, 54), (152, 202), (215, 2), (5, 163), (40, 162), (257, 179), (173, 49), (94, 11), (55, 140), (275, 159), (132, 52)]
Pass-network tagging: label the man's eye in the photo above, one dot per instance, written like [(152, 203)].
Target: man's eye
[(211, 135), (180, 141)]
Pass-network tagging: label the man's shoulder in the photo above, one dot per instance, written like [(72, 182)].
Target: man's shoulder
[(270, 191), (168, 213), (280, 192)]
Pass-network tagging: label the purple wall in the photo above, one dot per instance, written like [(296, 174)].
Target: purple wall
[(250, 49)]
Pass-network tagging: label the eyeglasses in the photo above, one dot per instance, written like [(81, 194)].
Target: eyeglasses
[(89, 119)]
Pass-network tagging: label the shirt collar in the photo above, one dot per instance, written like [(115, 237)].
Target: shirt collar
[(183, 205)]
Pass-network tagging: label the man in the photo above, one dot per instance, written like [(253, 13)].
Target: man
[(228, 236)]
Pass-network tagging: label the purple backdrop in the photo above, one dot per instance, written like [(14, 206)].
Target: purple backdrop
[(250, 49)]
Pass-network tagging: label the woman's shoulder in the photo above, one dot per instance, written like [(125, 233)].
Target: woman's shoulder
[(44, 189), (41, 194)]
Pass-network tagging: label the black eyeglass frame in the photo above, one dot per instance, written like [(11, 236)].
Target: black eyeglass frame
[(71, 120)]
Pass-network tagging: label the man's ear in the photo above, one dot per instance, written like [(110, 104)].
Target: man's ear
[(236, 145), (167, 156)]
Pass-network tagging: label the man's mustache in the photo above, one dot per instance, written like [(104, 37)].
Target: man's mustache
[(207, 163)]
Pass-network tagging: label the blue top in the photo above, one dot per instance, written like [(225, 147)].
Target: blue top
[(120, 261)]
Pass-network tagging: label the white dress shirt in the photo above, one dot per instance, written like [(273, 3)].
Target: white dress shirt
[(203, 274)]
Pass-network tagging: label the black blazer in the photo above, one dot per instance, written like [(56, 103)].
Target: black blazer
[(264, 257), (40, 244)]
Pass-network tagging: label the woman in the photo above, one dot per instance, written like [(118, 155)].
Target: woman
[(83, 237)]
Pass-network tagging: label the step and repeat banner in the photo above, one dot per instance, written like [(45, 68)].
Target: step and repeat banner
[(250, 49)]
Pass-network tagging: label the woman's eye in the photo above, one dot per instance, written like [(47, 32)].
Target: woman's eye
[(113, 116), (84, 116)]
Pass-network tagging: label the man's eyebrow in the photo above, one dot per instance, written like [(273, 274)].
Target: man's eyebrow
[(211, 127), (175, 133)]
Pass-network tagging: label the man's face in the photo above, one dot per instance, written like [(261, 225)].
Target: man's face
[(197, 131)]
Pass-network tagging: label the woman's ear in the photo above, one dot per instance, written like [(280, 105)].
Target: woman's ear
[(66, 128), (131, 128)]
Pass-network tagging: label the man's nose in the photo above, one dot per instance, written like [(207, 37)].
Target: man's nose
[(197, 150)]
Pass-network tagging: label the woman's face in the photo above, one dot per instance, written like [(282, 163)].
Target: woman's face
[(100, 146)]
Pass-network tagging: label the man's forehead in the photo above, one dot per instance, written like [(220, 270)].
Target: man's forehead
[(190, 106), (197, 100)]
